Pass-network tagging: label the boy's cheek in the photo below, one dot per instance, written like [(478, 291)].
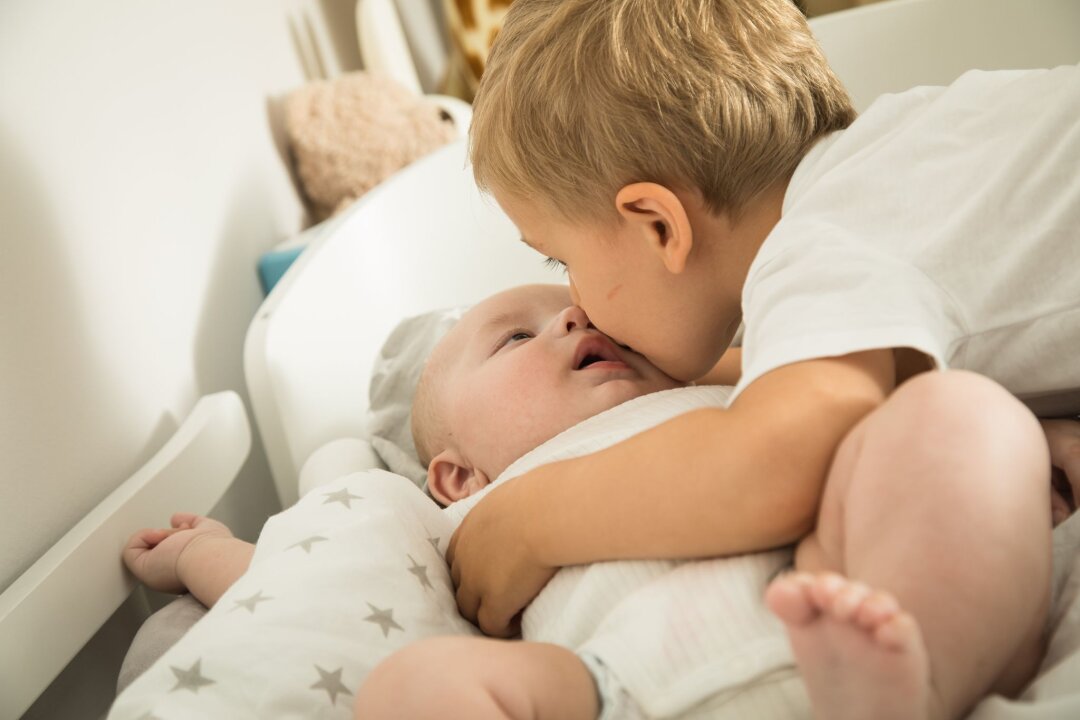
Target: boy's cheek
[(574, 297)]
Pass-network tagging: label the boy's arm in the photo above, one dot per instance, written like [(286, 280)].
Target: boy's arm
[(197, 554), (709, 483), (727, 370)]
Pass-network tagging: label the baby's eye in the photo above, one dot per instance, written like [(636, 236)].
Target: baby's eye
[(555, 264), (510, 338)]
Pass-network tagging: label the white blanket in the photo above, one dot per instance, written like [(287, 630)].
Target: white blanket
[(355, 571)]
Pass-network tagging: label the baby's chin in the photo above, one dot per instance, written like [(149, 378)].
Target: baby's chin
[(619, 390)]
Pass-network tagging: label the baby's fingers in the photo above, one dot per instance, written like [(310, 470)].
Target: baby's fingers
[(139, 544), (148, 565), (148, 538), (143, 542), (184, 520)]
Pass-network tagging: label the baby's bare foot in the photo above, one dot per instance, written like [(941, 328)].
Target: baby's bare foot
[(859, 654)]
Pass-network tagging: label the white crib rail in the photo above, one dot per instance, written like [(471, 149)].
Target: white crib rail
[(57, 605)]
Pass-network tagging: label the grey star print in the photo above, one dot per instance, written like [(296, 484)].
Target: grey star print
[(251, 602), (383, 618), (331, 683), (420, 571), (342, 496), (434, 543), (306, 544), (191, 679)]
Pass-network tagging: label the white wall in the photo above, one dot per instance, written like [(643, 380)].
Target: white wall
[(141, 176)]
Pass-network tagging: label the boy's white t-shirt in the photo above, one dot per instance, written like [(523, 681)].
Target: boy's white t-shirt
[(945, 220)]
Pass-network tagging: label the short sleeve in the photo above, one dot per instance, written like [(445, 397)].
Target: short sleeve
[(815, 299)]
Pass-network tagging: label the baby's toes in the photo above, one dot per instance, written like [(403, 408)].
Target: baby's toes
[(824, 589), (848, 600), (788, 598), (877, 608), (900, 632)]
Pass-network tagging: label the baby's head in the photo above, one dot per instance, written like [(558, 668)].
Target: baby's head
[(580, 98), (517, 369)]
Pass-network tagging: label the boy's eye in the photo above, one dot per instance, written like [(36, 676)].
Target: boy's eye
[(519, 336), (555, 264)]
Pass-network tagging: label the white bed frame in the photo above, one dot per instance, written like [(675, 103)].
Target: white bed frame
[(56, 606), (424, 239)]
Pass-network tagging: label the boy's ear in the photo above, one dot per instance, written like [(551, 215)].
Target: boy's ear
[(451, 478), (659, 215)]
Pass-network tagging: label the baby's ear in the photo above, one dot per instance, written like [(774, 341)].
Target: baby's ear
[(451, 478)]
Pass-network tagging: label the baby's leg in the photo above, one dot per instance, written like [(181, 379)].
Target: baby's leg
[(478, 678), (935, 520)]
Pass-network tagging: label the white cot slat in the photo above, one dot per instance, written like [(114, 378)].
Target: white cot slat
[(57, 605)]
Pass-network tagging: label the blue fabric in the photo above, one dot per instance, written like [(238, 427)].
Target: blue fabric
[(272, 266)]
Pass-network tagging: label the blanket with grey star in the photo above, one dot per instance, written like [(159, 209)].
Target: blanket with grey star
[(356, 570), (348, 575)]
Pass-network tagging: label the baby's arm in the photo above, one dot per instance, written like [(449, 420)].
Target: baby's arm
[(709, 483), (197, 554)]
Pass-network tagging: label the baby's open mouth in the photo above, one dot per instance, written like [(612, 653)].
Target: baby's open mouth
[(595, 349), (589, 360)]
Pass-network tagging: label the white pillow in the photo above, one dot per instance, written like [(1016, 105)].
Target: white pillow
[(336, 459), (393, 384)]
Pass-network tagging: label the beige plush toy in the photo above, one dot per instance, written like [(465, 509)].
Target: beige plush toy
[(348, 134)]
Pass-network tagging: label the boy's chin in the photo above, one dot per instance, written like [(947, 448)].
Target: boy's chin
[(679, 371)]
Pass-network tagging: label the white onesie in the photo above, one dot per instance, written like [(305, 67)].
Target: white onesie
[(945, 220), (682, 639)]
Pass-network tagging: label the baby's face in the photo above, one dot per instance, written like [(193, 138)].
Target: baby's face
[(523, 366)]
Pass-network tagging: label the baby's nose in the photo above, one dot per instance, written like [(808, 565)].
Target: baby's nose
[(574, 318)]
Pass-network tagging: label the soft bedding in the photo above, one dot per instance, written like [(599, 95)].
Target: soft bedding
[(355, 571)]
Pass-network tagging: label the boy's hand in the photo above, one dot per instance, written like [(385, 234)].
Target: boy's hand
[(492, 565), (1063, 437), (153, 555)]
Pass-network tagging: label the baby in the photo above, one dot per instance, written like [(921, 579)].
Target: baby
[(517, 369)]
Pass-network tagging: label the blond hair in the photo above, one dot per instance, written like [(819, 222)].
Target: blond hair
[(582, 97), (426, 421)]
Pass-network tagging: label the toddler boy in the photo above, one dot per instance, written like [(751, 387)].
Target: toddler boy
[(694, 163)]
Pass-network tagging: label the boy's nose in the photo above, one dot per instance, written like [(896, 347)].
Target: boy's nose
[(573, 318)]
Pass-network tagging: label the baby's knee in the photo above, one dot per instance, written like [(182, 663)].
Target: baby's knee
[(419, 680), (969, 412), (399, 676)]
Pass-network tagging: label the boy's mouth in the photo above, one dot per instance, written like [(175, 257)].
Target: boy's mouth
[(597, 351)]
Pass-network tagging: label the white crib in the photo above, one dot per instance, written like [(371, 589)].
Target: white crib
[(424, 239)]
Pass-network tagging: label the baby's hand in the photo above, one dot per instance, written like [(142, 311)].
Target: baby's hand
[(153, 555), (1063, 437)]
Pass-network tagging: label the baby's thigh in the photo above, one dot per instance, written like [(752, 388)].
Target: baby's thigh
[(469, 677), (941, 439)]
